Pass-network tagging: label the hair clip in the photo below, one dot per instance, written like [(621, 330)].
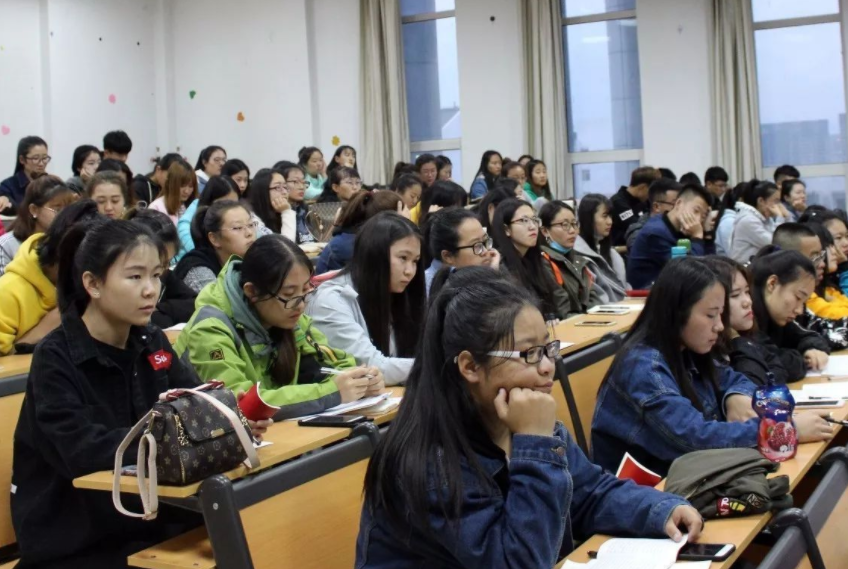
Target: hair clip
[(456, 359)]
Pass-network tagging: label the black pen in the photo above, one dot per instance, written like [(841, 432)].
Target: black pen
[(836, 421)]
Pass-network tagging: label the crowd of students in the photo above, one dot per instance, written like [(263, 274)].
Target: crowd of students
[(447, 291)]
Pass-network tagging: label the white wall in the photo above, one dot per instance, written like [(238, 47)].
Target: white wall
[(674, 61), (491, 67)]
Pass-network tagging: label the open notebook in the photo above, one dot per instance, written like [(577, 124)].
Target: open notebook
[(637, 553)]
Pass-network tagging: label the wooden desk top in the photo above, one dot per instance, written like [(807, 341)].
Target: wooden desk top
[(742, 531), (585, 336), (11, 366), (290, 441)]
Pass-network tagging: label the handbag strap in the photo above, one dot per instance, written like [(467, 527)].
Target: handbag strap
[(146, 487), (244, 438)]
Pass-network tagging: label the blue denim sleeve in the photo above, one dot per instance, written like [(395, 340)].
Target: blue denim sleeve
[(526, 529), (478, 188), (732, 382), (604, 504)]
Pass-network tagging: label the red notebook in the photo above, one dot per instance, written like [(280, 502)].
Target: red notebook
[(630, 468)]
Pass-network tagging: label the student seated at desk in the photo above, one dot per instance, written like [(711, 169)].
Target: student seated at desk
[(476, 472), (176, 299), (218, 188), (664, 396), (90, 382), (28, 287), (594, 243), (742, 345), (249, 328), (374, 308), (219, 231), (456, 238), (782, 282), (569, 269), (515, 231)]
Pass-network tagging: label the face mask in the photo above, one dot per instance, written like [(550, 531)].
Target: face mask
[(557, 247)]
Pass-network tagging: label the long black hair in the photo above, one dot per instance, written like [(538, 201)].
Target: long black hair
[(528, 270), (206, 155), (545, 191), (504, 190), (38, 193), (259, 196), (788, 267), (81, 212), (232, 167), (589, 205), (216, 188), (826, 240), (443, 193), (210, 219), (438, 423), (94, 248), (680, 285), (484, 168), (756, 189), (333, 164), (729, 199), (81, 153), (334, 178), (157, 222), (26, 144), (442, 231), (266, 265), (370, 271)]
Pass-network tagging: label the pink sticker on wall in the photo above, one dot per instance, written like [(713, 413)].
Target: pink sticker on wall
[(4, 130), (113, 99)]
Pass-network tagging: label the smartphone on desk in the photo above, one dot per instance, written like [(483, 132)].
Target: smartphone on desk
[(338, 421), (706, 551), (600, 323)]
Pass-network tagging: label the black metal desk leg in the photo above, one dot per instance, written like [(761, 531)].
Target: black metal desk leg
[(223, 524)]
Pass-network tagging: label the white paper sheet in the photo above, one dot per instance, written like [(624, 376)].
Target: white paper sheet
[(633, 553), (836, 366), (347, 407), (830, 389)]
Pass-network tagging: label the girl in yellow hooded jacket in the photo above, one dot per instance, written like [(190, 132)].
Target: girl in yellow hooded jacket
[(27, 289)]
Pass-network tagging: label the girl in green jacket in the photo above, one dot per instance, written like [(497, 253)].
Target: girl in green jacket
[(249, 328)]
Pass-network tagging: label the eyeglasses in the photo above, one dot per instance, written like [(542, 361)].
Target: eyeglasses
[(219, 160), (816, 259), (528, 222), (294, 302), (252, 226), (279, 188), (532, 355), (39, 159), (479, 248), (567, 225), (296, 183), (56, 211), (353, 182)]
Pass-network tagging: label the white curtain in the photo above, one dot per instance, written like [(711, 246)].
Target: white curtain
[(542, 20), (385, 130), (734, 81)]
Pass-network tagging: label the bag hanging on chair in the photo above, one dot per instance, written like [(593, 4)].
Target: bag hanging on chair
[(191, 435)]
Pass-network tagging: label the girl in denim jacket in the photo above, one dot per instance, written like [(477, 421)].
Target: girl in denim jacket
[(475, 471), (664, 396)]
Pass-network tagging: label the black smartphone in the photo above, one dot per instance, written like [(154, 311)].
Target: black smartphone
[(595, 323), (341, 421), (706, 551), (817, 403)]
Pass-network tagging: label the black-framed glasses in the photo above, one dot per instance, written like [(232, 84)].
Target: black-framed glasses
[(567, 225), (39, 159), (353, 182), (532, 355), (294, 302), (528, 222), (480, 247)]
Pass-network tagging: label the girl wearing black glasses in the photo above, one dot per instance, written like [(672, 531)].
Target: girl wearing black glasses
[(560, 229), (249, 328), (515, 231), (32, 160), (456, 238)]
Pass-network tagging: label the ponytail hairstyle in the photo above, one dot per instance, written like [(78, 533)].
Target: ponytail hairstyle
[(259, 197), (757, 189), (680, 285), (112, 165), (94, 249), (589, 205), (38, 193), (528, 270), (405, 181), (365, 205), (334, 178), (82, 212), (442, 231), (438, 421), (443, 193), (305, 153), (544, 191), (206, 155), (402, 169), (210, 219), (788, 267), (158, 223), (216, 188), (266, 265), (370, 271), (729, 199)]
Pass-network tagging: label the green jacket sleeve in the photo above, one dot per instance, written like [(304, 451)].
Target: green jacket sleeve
[(213, 353)]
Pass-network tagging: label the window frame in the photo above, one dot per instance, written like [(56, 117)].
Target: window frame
[(841, 18), (431, 146), (596, 156)]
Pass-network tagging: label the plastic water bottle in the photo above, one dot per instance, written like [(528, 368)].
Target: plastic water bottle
[(678, 252), (685, 243), (777, 439)]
